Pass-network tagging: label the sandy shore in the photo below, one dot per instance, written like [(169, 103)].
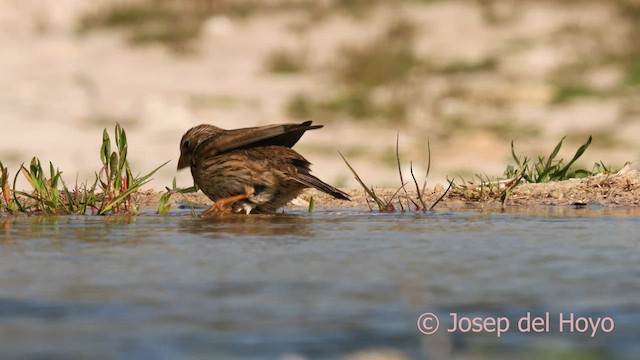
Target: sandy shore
[(615, 190)]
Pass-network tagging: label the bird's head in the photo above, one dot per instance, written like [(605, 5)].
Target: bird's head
[(191, 140)]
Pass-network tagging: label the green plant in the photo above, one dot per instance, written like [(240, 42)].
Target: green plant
[(547, 169), (51, 195), (542, 170), (312, 205), (601, 168), (6, 202), (163, 204), (45, 191), (116, 179)]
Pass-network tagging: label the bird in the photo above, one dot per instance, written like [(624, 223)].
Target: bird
[(250, 170)]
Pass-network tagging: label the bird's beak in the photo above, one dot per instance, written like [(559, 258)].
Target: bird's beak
[(183, 162)]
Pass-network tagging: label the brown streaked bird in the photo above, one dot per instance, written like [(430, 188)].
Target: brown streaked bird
[(250, 169)]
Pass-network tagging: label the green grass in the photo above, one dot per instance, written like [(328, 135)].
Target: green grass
[(109, 193), (312, 205), (541, 169), (546, 169), (163, 204)]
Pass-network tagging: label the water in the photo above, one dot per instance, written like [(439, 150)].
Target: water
[(320, 286)]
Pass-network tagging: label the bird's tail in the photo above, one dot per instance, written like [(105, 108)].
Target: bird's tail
[(314, 182)]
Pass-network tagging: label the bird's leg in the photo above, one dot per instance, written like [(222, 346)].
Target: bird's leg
[(220, 204)]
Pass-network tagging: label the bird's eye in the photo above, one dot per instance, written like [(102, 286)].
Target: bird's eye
[(185, 145)]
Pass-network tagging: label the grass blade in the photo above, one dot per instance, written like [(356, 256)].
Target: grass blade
[(381, 204), (400, 170), (426, 175), (15, 196), (105, 150), (420, 195), (554, 153), (513, 154), (312, 204), (442, 196), (562, 173)]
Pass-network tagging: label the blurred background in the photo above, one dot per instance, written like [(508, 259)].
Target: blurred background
[(469, 75)]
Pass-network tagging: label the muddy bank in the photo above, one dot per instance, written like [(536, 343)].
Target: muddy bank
[(621, 189)]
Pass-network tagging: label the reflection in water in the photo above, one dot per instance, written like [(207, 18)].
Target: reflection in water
[(320, 285), (6, 230), (248, 225), (59, 230)]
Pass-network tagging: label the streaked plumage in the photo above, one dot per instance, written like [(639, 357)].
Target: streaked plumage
[(251, 169)]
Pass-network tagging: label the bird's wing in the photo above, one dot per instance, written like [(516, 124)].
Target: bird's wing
[(279, 134)]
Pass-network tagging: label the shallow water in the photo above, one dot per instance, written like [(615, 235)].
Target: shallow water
[(320, 285)]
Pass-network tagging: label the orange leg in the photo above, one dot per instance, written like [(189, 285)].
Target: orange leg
[(221, 204)]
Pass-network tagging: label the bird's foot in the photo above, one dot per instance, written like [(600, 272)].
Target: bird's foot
[(220, 206)]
